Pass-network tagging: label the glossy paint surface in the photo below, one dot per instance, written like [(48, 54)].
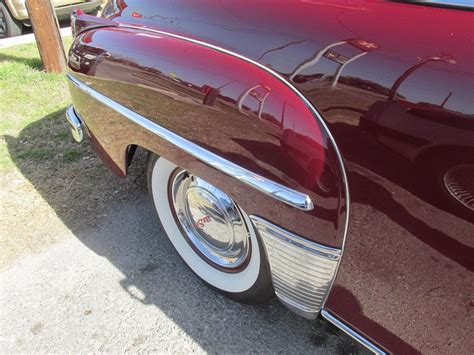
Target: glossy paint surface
[(223, 104), (395, 84)]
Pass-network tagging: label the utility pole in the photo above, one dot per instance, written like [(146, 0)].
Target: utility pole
[(46, 29)]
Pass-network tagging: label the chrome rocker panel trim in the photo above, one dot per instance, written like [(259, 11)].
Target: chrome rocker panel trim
[(352, 333), (277, 191), (302, 271)]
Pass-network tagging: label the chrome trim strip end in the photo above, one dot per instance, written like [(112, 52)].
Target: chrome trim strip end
[(352, 333), (273, 189), (302, 271), (75, 124)]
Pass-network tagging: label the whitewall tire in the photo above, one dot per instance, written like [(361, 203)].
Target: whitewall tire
[(241, 271)]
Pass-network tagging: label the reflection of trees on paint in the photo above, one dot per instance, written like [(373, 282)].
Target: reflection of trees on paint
[(365, 84)]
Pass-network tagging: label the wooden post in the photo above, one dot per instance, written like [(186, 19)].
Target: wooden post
[(46, 29)]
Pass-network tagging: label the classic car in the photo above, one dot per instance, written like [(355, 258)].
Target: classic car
[(319, 152), (13, 13)]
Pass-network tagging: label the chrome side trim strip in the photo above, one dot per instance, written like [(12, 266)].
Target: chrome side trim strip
[(289, 85), (273, 189), (352, 333), (302, 271)]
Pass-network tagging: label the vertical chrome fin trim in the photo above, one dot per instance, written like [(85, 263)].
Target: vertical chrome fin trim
[(302, 271)]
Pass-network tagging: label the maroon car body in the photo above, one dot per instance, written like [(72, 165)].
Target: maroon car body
[(394, 86)]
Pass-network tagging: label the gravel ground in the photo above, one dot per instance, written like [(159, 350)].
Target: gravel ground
[(115, 284)]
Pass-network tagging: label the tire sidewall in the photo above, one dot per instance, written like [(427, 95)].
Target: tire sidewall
[(13, 26)]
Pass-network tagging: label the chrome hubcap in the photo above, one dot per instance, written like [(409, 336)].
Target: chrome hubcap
[(210, 221), (459, 181)]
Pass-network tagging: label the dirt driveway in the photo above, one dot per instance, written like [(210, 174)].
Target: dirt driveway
[(86, 267)]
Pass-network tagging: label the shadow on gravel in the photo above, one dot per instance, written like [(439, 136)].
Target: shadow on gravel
[(114, 218)]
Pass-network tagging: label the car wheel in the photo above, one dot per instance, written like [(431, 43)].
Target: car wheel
[(210, 232), (9, 26)]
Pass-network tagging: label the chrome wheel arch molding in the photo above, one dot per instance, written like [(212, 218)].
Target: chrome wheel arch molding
[(285, 81), (304, 201)]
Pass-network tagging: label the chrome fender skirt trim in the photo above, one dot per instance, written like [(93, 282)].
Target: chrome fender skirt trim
[(302, 271), (352, 333), (277, 191)]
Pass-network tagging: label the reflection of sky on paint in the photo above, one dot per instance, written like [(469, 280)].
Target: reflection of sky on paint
[(384, 70), (419, 89), (419, 86), (244, 34), (383, 66), (378, 68)]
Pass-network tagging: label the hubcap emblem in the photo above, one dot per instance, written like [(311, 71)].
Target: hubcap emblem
[(210, 221)]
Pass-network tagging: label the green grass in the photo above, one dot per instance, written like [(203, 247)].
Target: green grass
[(27, 95)]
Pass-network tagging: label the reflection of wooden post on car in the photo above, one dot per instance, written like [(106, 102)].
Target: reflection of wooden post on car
[(46, 29)]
